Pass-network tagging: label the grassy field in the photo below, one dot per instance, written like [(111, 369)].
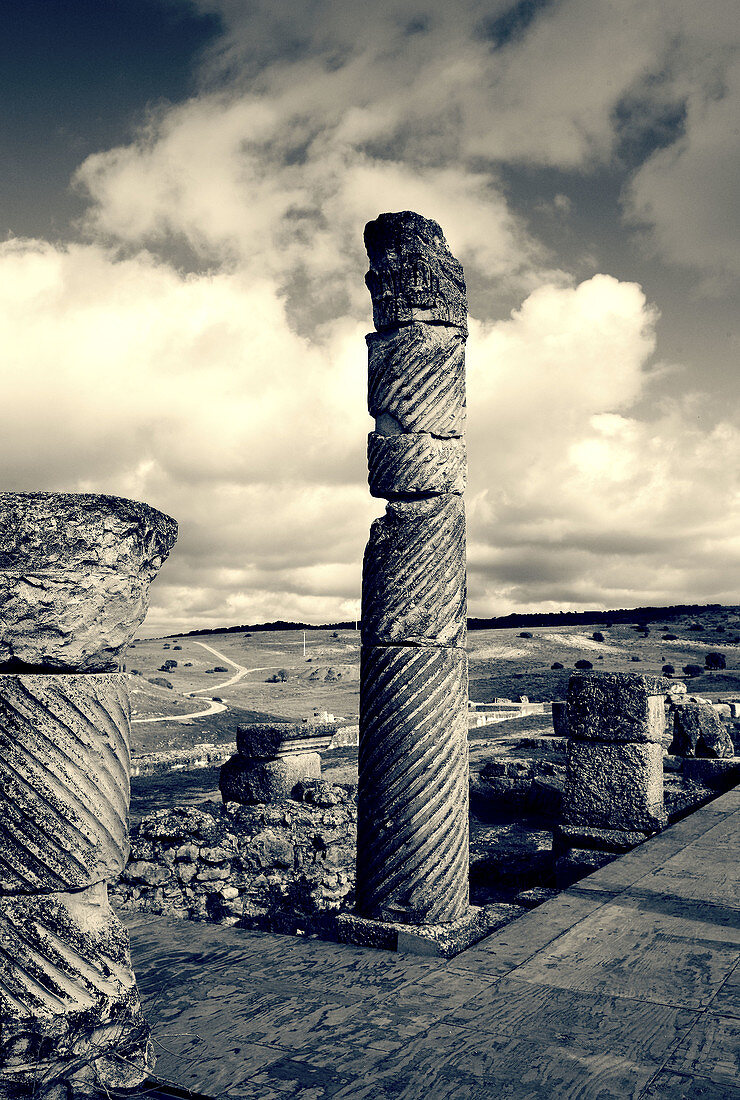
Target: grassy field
[(272, 677)]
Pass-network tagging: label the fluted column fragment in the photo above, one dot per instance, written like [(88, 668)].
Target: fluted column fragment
[(74, 578), (412, 845)]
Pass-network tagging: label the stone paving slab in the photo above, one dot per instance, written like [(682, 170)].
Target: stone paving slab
[(625, 985)]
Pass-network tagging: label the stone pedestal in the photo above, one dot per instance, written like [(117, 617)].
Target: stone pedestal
[(74, 578), (271, 759), (613, 795), (412, 841)]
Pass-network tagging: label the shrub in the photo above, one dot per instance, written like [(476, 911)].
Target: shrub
[(668, 670), (556, 664), (597, 636), (177, 647), (634, 657), (696, 626), (278, 677), (715, 660), (219, 668), (584, 664), (524, 634), (670, 637), (160, 681), (693, 670)]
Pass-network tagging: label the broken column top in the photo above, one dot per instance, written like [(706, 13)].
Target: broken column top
[(71, 530), (75, 570), (413, 275)]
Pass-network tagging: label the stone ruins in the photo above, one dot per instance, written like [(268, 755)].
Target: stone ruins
[(74, 578), (412, 838), (288, 851)]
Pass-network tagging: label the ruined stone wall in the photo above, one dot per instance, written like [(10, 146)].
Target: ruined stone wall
[(280, 866)]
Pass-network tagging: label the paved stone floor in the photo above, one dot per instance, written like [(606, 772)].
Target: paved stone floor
[(625, 985)]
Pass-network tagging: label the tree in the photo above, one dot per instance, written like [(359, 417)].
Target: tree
[(524, 634), (584, 664), (556, 664), (715, 660), (597, 636), (668, 670), (693, 670)]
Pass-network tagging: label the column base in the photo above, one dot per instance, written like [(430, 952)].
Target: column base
[(617, 841), (440, 940)]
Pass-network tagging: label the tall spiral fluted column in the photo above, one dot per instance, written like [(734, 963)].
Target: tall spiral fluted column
[(412, 843), (75, 571)]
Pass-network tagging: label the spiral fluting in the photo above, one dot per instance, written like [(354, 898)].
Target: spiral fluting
[(412, 841), (416, 374), (413, 785), (64, 780), (400, 465), (413, 576)]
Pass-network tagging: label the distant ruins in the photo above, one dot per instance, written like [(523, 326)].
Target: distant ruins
[(74, 578), (412, 842)]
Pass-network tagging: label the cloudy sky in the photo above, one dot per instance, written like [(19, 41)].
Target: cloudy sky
[(182, 306)]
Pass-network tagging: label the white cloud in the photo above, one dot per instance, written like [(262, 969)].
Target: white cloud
[(688, 191), (235, 399), (193, 393)]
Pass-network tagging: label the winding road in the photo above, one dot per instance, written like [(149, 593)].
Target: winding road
[(213, 707)]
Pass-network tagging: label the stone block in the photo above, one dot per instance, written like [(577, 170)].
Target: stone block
[(416, 376), (64, 780), (698, 731), (413, 275), (75, 571), (616, 707), (68, 1000), (413, 575), (268, 741), (560, 718), (405, 465), (614, 785), (247, 781), (412, 845), (439, 940), (716, 774), (567, 837)]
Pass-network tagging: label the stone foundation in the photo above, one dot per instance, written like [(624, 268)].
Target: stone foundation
[(282, 866)]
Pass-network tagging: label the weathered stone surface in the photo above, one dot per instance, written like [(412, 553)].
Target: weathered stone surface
[(614, 785), (416, 375), (64, 780), (413, 275), (599, 840), (413, 576), (616, 707), (276, 866), (268, 741), (698, 731), (75, 571), (68, 1000), (560, 718), (402, 465), (412, 846), (249, 781), (438, 940), (717, 774)]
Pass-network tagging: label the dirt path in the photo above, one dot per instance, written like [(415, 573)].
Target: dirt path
[(213, 707)]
